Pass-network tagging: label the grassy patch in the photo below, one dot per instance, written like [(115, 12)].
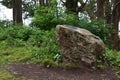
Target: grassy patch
[(15, 54)]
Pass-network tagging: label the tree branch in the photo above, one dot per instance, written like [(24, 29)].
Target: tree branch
[(91, 15), (63, 2), (116, 5)]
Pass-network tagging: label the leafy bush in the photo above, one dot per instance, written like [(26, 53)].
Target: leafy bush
[(112, 57), (6, 23), (14, 35), (47, 18), (48, 48)]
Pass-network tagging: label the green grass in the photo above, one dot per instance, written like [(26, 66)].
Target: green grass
[(15, 54)]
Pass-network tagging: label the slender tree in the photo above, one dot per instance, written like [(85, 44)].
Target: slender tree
[(115, 24), (17, 11)]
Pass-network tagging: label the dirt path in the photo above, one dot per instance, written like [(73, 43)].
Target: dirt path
[(38, 72)]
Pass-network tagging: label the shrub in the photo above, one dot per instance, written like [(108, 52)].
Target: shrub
[(48, 47), (112, 57), (98, 28), (45, 18), (5, 23), (14, 35)]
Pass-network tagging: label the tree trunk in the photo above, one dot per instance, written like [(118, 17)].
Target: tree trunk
[(17, 11), (115, 26), (100, 8)]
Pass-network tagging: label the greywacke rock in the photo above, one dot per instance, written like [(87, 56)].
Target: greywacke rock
[(78, 45)]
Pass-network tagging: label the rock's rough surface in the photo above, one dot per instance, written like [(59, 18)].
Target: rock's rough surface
[(78, 45)]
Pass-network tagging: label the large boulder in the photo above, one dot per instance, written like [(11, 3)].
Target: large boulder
[(78, 45)]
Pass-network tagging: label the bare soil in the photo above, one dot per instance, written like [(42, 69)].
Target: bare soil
[(38, 72)]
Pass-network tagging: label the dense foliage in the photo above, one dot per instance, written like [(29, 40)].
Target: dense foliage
[(43, 42)]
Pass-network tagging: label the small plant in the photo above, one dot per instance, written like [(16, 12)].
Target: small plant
[(112, 57), (5, 23), (49, 63), (48, 47)]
